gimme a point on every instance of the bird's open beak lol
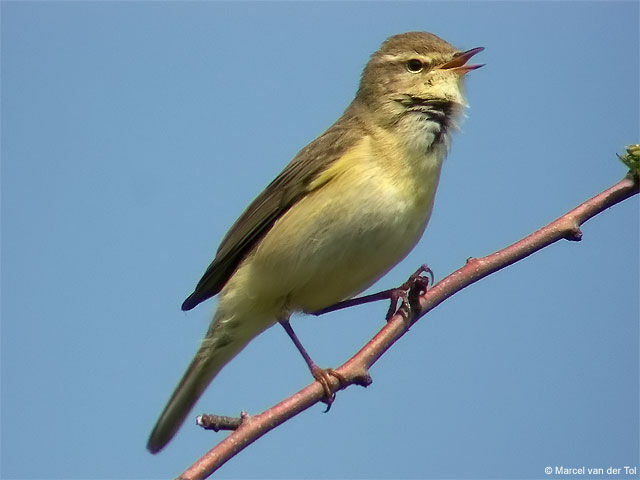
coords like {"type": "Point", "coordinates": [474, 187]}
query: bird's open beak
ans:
{"type": "Point", "coordinates": [458, 63]}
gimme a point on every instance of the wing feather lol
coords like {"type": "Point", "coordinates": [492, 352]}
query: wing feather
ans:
{"type": "Point", "coordinates": [281, 194]}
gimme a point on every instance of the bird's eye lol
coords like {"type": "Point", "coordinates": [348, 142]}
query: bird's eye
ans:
{"type": "Point", "coordinates": [414, 65]}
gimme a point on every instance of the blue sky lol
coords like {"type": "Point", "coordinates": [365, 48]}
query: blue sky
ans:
{"type": "Point", "coordinates": [133, 135]}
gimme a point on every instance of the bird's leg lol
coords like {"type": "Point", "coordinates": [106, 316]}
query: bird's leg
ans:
{"type": "Point", "coordinates": [352, 302]}
{"type": "Point", "coordinates": [322, 375]}
{"type": "Point", "coordinates": [409, 291]}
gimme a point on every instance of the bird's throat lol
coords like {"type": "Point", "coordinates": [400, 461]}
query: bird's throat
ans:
{"type": "Point", "coordinates": [427, 123]}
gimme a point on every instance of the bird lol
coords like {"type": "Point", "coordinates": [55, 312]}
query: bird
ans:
{"type": "Point", "coordinates": [348, 207]}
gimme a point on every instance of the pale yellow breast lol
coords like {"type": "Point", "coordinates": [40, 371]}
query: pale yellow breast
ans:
{"type": "Point", "coordinates": [361, 217]}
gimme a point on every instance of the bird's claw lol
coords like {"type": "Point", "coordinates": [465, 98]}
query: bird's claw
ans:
{"type": "Point", "coordinates": [409, 292]}
{"type": "Point", "coordinates": [323, 376]}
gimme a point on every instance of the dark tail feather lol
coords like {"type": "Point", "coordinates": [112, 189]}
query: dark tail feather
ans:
{"type": "Point", "coordinates": [191, 301]}
{"type": "Point", "coordinates": [224, 341]}
{"type": "Point", "coordinates": [195, 380]}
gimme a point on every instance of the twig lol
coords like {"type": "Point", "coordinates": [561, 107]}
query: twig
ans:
{"type": "Point", "coordinates": [220, 422]}
{"type": "Point", "coordinates": [355, 370]}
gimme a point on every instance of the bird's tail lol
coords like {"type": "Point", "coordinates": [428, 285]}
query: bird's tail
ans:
{"type": "Point", "coordinates": [222, 343]}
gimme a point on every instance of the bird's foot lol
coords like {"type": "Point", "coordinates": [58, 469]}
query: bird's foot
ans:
{"type": "Point", "coordinates": [323, 376]}
{"type": "Point", "coordinates": [409, 292]}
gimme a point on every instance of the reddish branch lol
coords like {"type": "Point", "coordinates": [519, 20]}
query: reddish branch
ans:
{"type": "Point", "coordinates": [355, 370]}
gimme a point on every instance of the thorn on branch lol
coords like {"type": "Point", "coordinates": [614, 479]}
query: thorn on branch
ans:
{"type": "Point", "coordinates": [574, 235]}
{"type": "Point", "coordinates": [219, 422]}
{"type": "Point", "coordinates": [363, 379]}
